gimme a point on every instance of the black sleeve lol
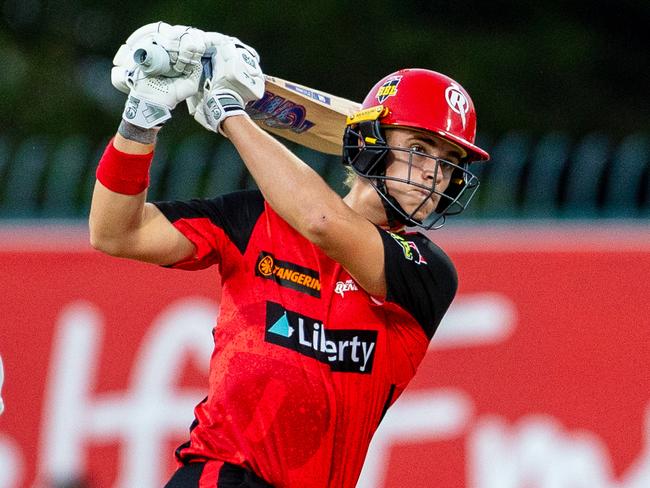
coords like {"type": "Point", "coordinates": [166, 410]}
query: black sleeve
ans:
{"type": "Point", "coordinates": [235, 213]}
{"type": "Point", "coordinates": [420, 277]}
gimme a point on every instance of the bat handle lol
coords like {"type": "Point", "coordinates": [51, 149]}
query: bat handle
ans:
{"type": "Point", "coordinates": [153, 60]}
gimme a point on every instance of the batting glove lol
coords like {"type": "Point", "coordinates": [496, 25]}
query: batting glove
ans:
{"type": "Point", "coordinates": [158, 67]}
{"type": "Point", "coordinates": [216, 106]}
{"type": "Point", "coordinates": [235, 79]}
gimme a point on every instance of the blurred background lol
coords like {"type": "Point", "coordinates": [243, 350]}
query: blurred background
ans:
{"type": "Point", "coordinates": [553, 253]}
{"type": "Point", "coordinates": [561, 90]}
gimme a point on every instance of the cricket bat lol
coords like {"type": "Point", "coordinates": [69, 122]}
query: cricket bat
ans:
{"type": "Point", "coordinates": [303, 115]}
{"type": "Point", "coordinates": [298, 113]}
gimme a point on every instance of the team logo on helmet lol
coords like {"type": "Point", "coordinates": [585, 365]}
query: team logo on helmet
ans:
{"type": "Point", "coordinates": [457, 101]}
{"type": "Point", "coordinates": [388, 89]}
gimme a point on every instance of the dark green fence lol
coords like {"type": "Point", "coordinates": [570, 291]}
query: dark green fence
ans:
{"type": "Point", "coordinates": [551, 176]}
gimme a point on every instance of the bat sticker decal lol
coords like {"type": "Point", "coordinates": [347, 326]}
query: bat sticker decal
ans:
{"type": "Point", "coordinates": [277, 112]}
{"type": "Point", "coordinates": [320, 97]}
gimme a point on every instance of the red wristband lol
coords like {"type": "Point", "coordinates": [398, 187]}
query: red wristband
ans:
{"type": "Point", "coordinates": [124, 173]}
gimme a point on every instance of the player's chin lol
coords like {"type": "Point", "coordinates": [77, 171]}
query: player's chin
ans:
{"type": "Point", "coordinates": [417, 204]}
{"type": "Point", "coordinates": [422, 210]}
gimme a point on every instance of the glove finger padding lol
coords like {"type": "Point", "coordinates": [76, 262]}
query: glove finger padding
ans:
{"type": "Point", "coordinates": [187, 85]}
{"type": "Point", "coordinates": [236, 67]}
{"type": "Point", "coordinates": [191, 47]}
{"type": "Point", "coordinates": [184, 46]}
{"type": "Point", "coordinates": [119, 75]}
{"type": "Point", "coordinates": [144, 32]}
{"type": "Point", "coordinates": [235, 80]}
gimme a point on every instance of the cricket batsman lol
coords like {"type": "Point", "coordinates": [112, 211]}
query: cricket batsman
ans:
{"type": "Point", "coordinates": [328, 304]}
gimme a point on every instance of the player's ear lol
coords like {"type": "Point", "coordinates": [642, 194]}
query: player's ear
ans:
{"type": "Point", "coordinates": [364, 147]}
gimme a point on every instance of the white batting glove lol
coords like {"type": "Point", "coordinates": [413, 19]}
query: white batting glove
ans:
{"type": "Point", "coordinates": [236, 66]}
{"type": "Point", "coordinates": [236, 80]}
{"type": "Point", "coordinates": [169, 73]}
{"type": "Point", "coordinates": [216, 105]}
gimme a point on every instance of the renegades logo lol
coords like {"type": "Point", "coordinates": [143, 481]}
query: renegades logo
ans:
{"type": "Point", "coordinates": [288, 274]}
{"type": "Point", "coordinates": [344, 350]}
{"type": "Point", "coordinates": [388, 89]}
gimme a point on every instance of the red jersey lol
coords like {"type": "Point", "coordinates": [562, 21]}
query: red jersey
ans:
{"type": "Point", "coordinates": [305, 362]}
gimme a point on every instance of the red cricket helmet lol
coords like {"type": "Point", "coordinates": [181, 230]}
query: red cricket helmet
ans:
{"type": "Point", "coordinates": [423, 100]}
{"type": "Point", "coordinates": [427, 100]}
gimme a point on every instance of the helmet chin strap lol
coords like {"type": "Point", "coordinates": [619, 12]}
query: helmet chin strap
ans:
{"type": "Point", "coordinates": [395, 218]}
{"type": "Point", "coordinates": [396, 214]}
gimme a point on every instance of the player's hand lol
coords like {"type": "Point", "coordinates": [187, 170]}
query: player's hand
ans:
{"type": "Point", "coordinates": [168, 71]}
{"type": "Point", "coordinates": [236, 79]}
{"type": "Point", "coordinates": [235, 66]}
{"type": "Point", "coordinates": [216, 105]}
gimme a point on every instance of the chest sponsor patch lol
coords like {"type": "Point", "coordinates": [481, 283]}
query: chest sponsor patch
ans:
{"type": "Point", "coordinates": [343, 350]}
{"type": "Point", "coordinates": [288, 274]}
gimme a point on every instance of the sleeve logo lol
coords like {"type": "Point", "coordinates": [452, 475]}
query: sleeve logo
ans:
{"type": "Point", "coordinates": [410, 249]}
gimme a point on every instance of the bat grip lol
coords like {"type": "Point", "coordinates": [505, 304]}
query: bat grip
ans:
{"type": "Point", "coordinates": [154, 60]}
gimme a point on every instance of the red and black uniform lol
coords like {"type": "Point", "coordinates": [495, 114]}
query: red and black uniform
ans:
{"type": "Point", "coordinates": [305, 363]}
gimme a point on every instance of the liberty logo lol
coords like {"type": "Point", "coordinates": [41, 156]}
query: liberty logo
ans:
{"type": "Point", "coordinates": [344, 350]}
{"type": "Point", "coordinates": [282, 327]}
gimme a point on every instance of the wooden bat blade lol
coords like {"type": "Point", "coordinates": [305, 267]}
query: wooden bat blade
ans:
{"type": "Point", "coordinates": [303, 115]}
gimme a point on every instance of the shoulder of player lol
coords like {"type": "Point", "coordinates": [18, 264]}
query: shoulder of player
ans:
{"type": "Point", "coordinates": [423, 240]}
{"type": "Point", "coordinates": [212, 208]}
{"type": "Point", "coordinates": [413, 257]}
{"type": "Point", "coordinates": [422, 244]}
{"type": "Point", "coordinates": [238, 199]}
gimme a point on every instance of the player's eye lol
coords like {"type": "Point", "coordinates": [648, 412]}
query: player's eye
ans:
{"type": "Point", "coordinates": [418, 148]}
{"type": "Point", "coordinates": [446, 166]}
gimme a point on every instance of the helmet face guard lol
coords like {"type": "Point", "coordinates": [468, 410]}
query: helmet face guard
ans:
{"type": "Point", "coordinates": [368, 160]}
{"type": "Point", "coordinates": [424, 101]}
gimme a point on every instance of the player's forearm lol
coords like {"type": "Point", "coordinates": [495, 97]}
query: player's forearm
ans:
{"type": "Point", "coordinates": [129, 146]}
{"type": "Point", "coordinates": [293, 189]}
{"type": "Point", "coordinates": [115, 216]}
